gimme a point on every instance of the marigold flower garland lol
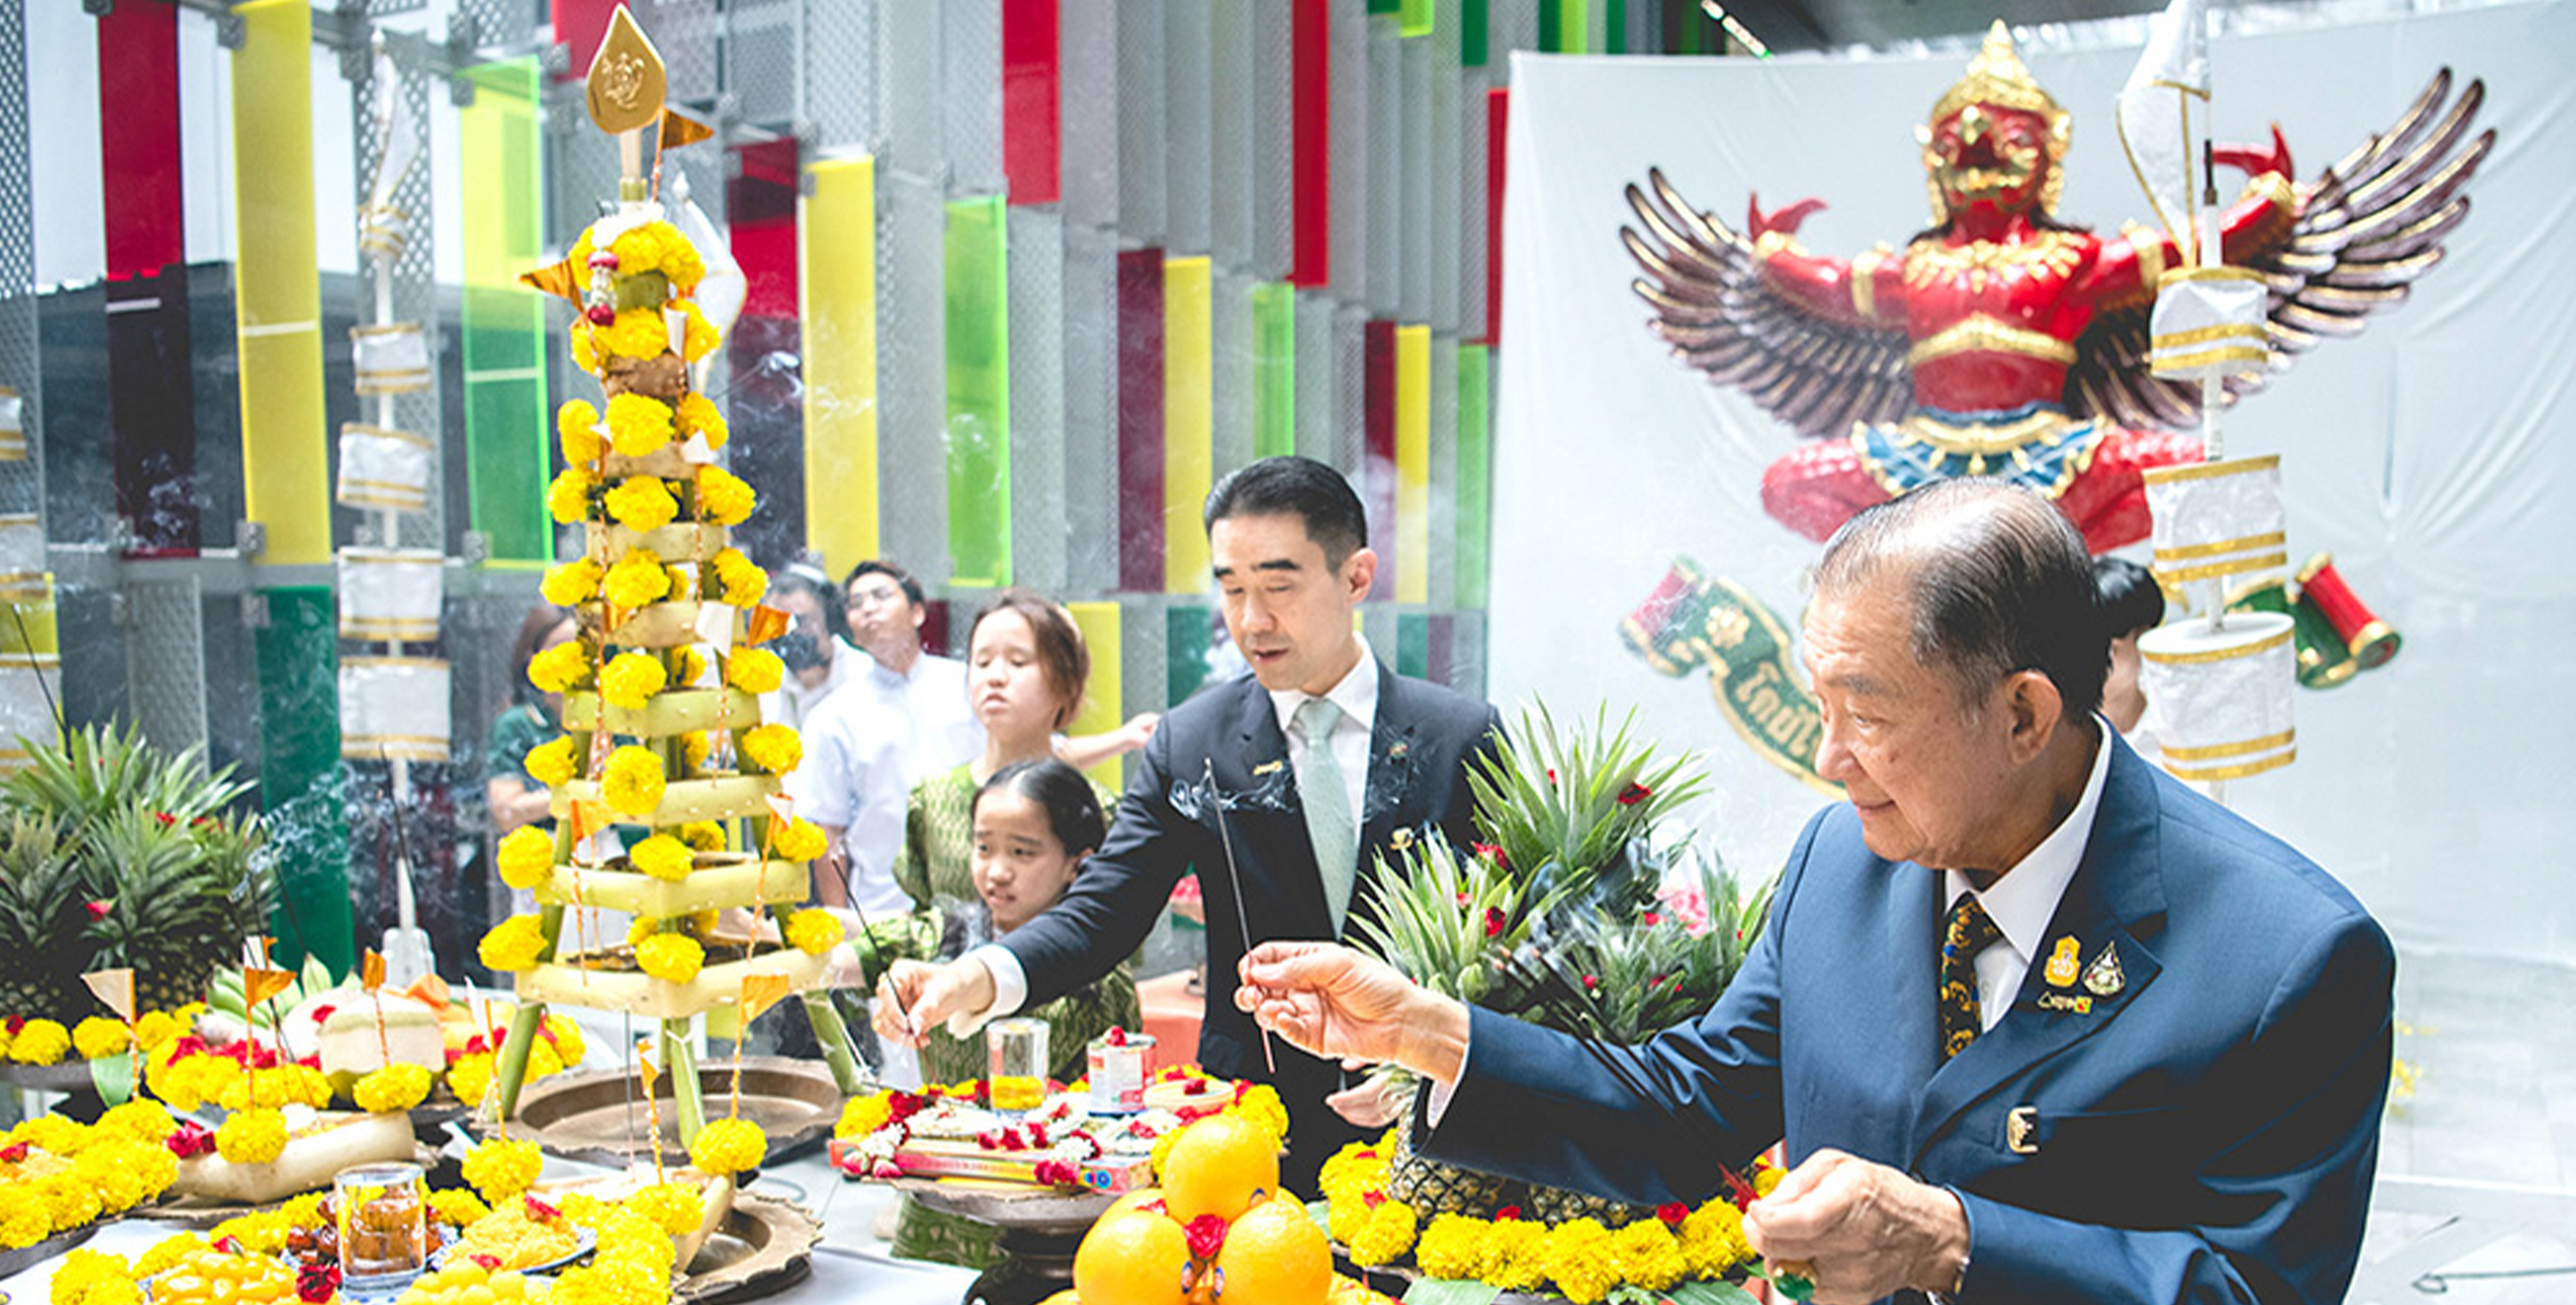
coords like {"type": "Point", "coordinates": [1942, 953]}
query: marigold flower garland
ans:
{"type": "Point", "coordinates": [392, 1088]}
{"type": "Point", "coordinates": [815, 931]}
{"type": "Point", "coordinates": [663, 857]}
{"type": "Point", "coordinates": [633, 782]}
{"type": "Point", "coordinates": [727, 1146]}
{"type": "Point", "coordinates": [754, 670]}
{"type": "Point", "coordinates": [577, 423]}
{"type": "Point", "coordinates": [672, 957]}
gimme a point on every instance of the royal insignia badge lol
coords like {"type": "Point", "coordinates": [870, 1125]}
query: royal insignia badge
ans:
{"type": "Point", "coordinates": [2103, 978]}
{"type": "Point", "coordinates": [1268, 767]}
{"type": "Point", "coordinates": [2062, 963]}
{"type": "Point", "coordinates": [2021, 1130]}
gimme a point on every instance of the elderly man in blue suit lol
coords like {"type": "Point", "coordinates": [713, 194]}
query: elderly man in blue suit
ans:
{"type": "Point", "coordinates": [2036, 1022]}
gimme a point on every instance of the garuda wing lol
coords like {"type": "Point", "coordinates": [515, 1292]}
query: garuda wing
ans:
{"type": "Point", "coordinates": [1711, 304]}
{"type": "Point", "coordinates": [2366, 229]}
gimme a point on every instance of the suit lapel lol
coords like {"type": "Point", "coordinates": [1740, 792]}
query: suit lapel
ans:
{"type": "Point", "coordinates": [2115, 891]}
{"type": "Point", "coordinates": [1389, 799]}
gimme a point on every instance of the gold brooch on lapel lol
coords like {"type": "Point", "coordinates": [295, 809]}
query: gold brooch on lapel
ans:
{"type": "Point", "coordinates": [2062, 963]}
{"type": "Point", "coordinates": [1267, 767]}
{"type": "Point", "coordinates": [1401, 839]}
{"type": "Point", "coordinates": [2073, 1003]}
{"type": "Point", "coordinates": [1397, 752]}
{"type": "Point", "coordinates": [2021, 1130]}
{"type": "Point", "coordinates": [2103, 978]}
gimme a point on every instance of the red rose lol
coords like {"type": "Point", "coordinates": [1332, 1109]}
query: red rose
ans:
{"type": "Point", "coordinates": [1207, 1236]}
{"type": "Point", "coordinates": [1116, 1037]}
{"type": "Point", "coordinates": [1672, 1213]}
{"type": "Point", "coordinates": [98, 910]}
{"type": "Point", "coordinates": [540, 1211]}
{"type": "Point", "coordinates": [317, 1283]}
{"type": "Point", "coordinates": [1650, 919]}
{"type": "Point", "coordinates": [1462, 897]}
{"type": "Point", "coordinates": [165, 818]}
{"type": "Point", "coordinates": [1634, 794]}
{"type": "Point", "coordinates": [1056, 1173]}
{"type": "Point", "coordinates": [190, 1139]}
{"type": "Point", "coordinates": [489, 1262]}
{"type": "Point", "coordinates": [1198, 1088]}
{"type": "Point", "coordinates": [229, 1246]}
{"type": "Point", "coordinates": [16, 1023]}
{"type": "Point", "coordinates": [1373, 1199]}
{"type": "Point", "coordinates": [1591, 981]}
{"type": "Point", "coordinates": [1507, 1212]}
{"type": "Point", "coordinates": [1494, 921]}
{"type": "Point", "coordinates": [322, 1014]}
{"type": "Point", "coordinates": [13, 1153]}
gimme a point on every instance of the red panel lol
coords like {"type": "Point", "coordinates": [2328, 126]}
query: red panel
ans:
{"type": "Point", "coordinates": [1311, 122]}
{"type": "Point", "coordinates": [760, 202]}
{"type": "Point", "coordinates": [1032, 101]}
{"type": "Point", "coordinates": [138, 128]}
{"type": "Point", "coordinates": [1140, 420]}
{"type": "Point", "coordinates": [583, 24]}
{"type": "Point", "coordinates": [1498, 104]}
{"type": "Point", "coordinates": [1377, 488]}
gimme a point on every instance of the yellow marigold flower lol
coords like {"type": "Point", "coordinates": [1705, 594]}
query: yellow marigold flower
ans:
{"type": "Point", "coordinates": [639, 333]}
{"type": "Point", "coordinates": [1646, 1255]}
{"type": "Point", "coordinates": [156, 1028]}
{"type": "Point", "coordinates": [671, 957]}
{"type": "Point", "coordinates": [694, 747]}
{"type": "Point", "coordinates": [564, 666]}
{"type": "Point", "coordinates": [68, 1201]}
{"type": "Point", "coordinates": [138, 1120]}
{"type": "Point", "coordinates": [865, 1115]}
{"type": "Point", "coordinates": [251, 1137]}
{"type": "Point", "coordinates": [513, 945]}
{"type": "Point", "coordinates": [1387, 1235]}
{"type": "Point", "coordinates": [815, 931]}
{"type": "Point", "coordinates": [59, 1134]}
{"type": "Point", "coordinates": [470, 1077]}
{"type": "Point", "coordinates": [585, 353]}
{"type": "Point", "coordinates": [637, 579]}
{"type": "Point", "coordinates": [631, 679]}
{"type": "Point", "coordinates": [633, 781]}
{"type": "Point", "coordinates": [697, 415]}
{"type": "Point", "coordinates": [801, 841]}
{"type": "Point", "coordinates": [577, 422]}
{"type": "Point", "coordinates": [39, 1042]}
{"type": "Point", "coordinates": [684, 581]}
{"type": "Point", "coordinates": [167, 1252]}
{"type": "Point", "coordinates": [94, 1278]}
{"type": "Point", "coordinates": [744, 584]}
{"type": "Point", "coordinates": [642, 503]}
{"type": "Point", "coordinates": [501, 1169]}
{"type": "Point", "coordinates": [703, 836]}
{"type": "Point", "coordinates": [24, 1221]}
{"type": "Point", "coordinates": [641, 928]}
{"type": "Point", "coordinates": [1260, 1104]}
{"type": "Point", "coordinates": [395, 1087]}
{"type": "Point", "coordinates": [1449, 1247]}
{"type": "Point", "coordinates": [754, 670]}
{"type": "Point", "coordinates": [728, 1146]}
{"type": "Point", "coordinates": [308, 1086]}
{"type": "Point", "coordinates": [774, 748]}
{"type": "Point", "coordinates": [456, 1207]}
{"type": "Point", "coordinates": [566, 1036]}
{"type": "Point", "coordinates": [1712, 1239]}
{"type": "Point", "coordinates": [698, 337]}
{"type": "Point", "coordinates": [662, 857]}
{"type": "Point", "coordinates": [1515, 1255]}
{"type": "Point", "coordinates": [724, 497]}
{"type": "Point", "coordinates": [1581, 1260]}
{"type": "Point", "coordinates": [1767, 1176]}
{"type": "Point", "coordinates": [638, 424]}
{"type": "Point", "coordinates": [125, 1172]}
{"type": "Point", "coordinates": [571, 583]}
{"type": "Point", "coordinates": [688, 665]}
{"type": "Point", "coordinates": [553, 764]}
{"type": "Point", "coordinates": [673, 1207]}
{"type": "Point", "coordinates": [98, 1036]}
{"type": "Point", "coordinates": [568, 498]}
{"type": "Point", "coordinates": [655, 246]}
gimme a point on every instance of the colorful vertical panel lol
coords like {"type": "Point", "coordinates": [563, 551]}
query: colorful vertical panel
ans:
{"type": "Point", "coordinates": [151, 395]}
{"type": "Point", "coordinates": [1615, 26]}
{"type": "Point", "coordinates": [1413, 645]}
{"type": "Point", "coordinates": [1032, 100]}
{"type": "Point", "coordinates": [1475, 472]}
{"type": "Point", "coordinates": [509, 459]}
{"type": "Point", "coordinates": [1274, 370]}
{"type": "Point", "coordinates": [840, 373]}
{"type": "Point", "coordinates": [1413, 464]}
{"type": "Point", "coordinates": [581, 25]}
{"type": "Point", "coordinates": [1377, 425]}
{"type": "Point", "coordinates": [979, 392]}
{"type": "Point", "coordinates": [299, 749]}
{"type": "Point", "coordinates": [1103, 701]}
{"type": "Point", "coordinates": [277, 291]}
{"type": "Point", "coordinates": [1417, 17]}
{"type": "Point", "coordinates": [765, 404]}
{"type": "Point", "coordinates": [1312, 143]}
{"type": "Point", "coordinates": [1140, 419]}
{"type": "Point", "coordinates": [1474, 18]}
{"type": "Point", "coordinates": [1498, 113]}
{"type": "Point", "coordinates": [1189, 644]}
{"type": "Point", "coordinates": [138, 139]}
{"type": "Point", "coordinates": [1189, 419]}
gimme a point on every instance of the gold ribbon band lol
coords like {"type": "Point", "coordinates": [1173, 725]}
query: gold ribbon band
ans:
{"type": "Point", "coordinates": [2255, 648]}
{"type": "Point", "coordinates": [2271, 539]}
{"type": "Point", "coordinates": [2208, 470]}
{"type": "Point", "coordinates": [2216, 751]}
{"type": "Point", "coordinates": [2236, 566]}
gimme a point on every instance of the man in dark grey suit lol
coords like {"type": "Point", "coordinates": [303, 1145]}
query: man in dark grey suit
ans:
{"type": "Point", "coordinates": [1323, 760]}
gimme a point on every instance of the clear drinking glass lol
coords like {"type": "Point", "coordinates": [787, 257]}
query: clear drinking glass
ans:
{"type": "Point", "coordinates": [384, 1226]}
{"type": "Point", "coordinates": [1018, 1049]}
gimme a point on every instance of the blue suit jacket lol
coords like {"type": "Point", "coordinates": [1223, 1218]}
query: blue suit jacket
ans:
{"type": "Point", "coordinates": [2205, 1133]}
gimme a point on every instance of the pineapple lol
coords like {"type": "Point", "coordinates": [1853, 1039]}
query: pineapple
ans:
{"type": "Point", "coordinates": [97, 771]}
{"type": "Point", "coordinates": [181, 898]}
{"type": "Point", "coordinates": [42, 952]}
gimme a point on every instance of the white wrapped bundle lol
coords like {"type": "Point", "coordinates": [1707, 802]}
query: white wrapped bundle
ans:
{"type": "Point", "coordinates": [384, 468]}
{"type": "Point", "coordinates": [13, 426]}
{"type": "Point", "coordinates": [2217, 519]}
{"type": "Point", "coordinates": [2208, 321]}
{"type": "Point", "coordinates": [393, 708]}
{"type": "Point", "coordinates": [2223, 695]}
{"type": "Point", "coordinates": [392, 359]}
{"type": "Point", "coordinates": [22, 544]}
{"type": "Point", "coordinates": [391, 594]}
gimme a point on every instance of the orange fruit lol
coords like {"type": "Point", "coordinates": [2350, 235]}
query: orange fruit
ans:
{"type": "Point", "coordinates": [1141, 1196]}
{"type": "Point", "coordinates": [1275, 1255]}
{"type": "Point", "coordinates": [1131, 1258]}
{"type": "Point", "coordinates": [1219, 1165]}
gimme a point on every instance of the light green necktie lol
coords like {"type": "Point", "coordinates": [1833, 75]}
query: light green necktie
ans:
{"type": "Point", "coordinates": [1328, 807]}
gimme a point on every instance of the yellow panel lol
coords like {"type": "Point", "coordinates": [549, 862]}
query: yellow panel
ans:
{"type": "Point", "coordinates": [836, 227]}
{"type": "Point", "coordinates": [1189, 423]}
{"type": "Point", "coordinates": [277, 291]}
{"type": "Point", "coordinates": [1101, 709]}
{"type": "Point", "coordinates": [1413, 464]}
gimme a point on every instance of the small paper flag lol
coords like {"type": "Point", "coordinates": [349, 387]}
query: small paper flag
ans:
{"type": "Point", "coordinates": [766, 623]}
{"type": "Point", "coordinates": [762, 991]}
{"type": "Point", "coordinates": [680, 129]}
{"type": "Point", "coordinates": [258, 985]}
{"type": "Point", "coordinates": [115, 988]}
{"type": "Point", "coordinates": [781, 806]}
{"type": "Point", "coordinates": [645, 1067]}
{"type": "Point", "coordinates": [371, 971]}
{"type": "Point", "coordinates": [431, 989]}
{"type": "Point", "coordinates": [585, 819]}
{"type": "Point", "coordinates": [561, 279]}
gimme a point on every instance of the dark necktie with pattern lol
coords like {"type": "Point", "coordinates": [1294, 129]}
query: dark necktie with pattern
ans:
{"type": "Point", "coordinates": [1967, 932]}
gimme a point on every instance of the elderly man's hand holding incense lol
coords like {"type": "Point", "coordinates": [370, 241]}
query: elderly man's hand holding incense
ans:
{"type": "Point", "coordinates": [1330, 1001]}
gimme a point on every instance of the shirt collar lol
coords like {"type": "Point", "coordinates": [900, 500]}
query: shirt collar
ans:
{"type": "Point", "coordinates": [893, 679]}
{"type": "Point", "coordinates": [1355, 693]}
{"type": "Point", "coordinates": [2023, 900]}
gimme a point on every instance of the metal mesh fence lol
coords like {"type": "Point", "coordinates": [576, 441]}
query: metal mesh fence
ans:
{"type": "Point", "coordinates": [762, 69]}
{"type": "Point", "coordinates": [22, 483]}
{"type": "Point", "coordinates": [1272, 157]}
{"type": "Point", "coordinates": [1087, 36]}
{"type": "Point", "coordinates": [1090, 409]}
{"type": "Point", "coordinates": [1037, 303]}
{"type": "Point", "coordinates": [1145, 653]}
{"type": "Point", "coordinates": [165, 661]}
{"type": "Point", "coordinates": [912, 372]}
{"type": "Point", "coordinates": [970, 94]}
{"type": "Point", "coordinates": [841, 73]}
{"type": "Point", "coordinates": [510, 24]}
{"type": "Point", "coordinates": [1414, 252]}
{"type": "Point", "coordinates": [686, 32]}
{"type": "Point", "coordinates": [908, 87]}
{"type": "Point", "coordinates": [1384, 142]}
{"type": "Point", "coordinates": [1350, 393]}
{"type": "Point", "coordinates": [1349, 112]}
{"type": "Point", "coordinates": [1441, 215]}
{"type": "Point", "coordinates": [413, 282]}
{"type": "Point", "coordinates": [1143, 160]}
{"type": "Point", "coordinates": [1231, 93]}
{"type": "Point", "coordinates": [1230, 368]}
{"type": "Point", "coordinates": [1444, 472]}
{"type": "Point", "coordinates": [1472, 290]}
{"type": "Point", "coordinates": [1319, 355]}
{"type": "Point", "coordinates": [1187, 129]}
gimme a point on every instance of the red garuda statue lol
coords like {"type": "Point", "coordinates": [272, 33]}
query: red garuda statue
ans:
{"type": "Point", "coordinates": [2004, 342]}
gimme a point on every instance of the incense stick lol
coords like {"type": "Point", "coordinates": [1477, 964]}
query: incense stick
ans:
{"type": "Point", "coordinates": [1234, 881]}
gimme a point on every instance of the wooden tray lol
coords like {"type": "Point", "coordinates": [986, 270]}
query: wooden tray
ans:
{"type": "Point", "coordinates": [13, 1263]}
{"type": "Point", "coordinates": [584, 1116]}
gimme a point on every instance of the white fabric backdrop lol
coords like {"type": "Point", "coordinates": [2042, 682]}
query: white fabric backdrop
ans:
{"type": "Point", "coordinates": [2435, 455]}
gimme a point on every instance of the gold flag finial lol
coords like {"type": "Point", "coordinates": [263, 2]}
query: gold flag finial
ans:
{"type": "Point", "coordinates": [626, 81]}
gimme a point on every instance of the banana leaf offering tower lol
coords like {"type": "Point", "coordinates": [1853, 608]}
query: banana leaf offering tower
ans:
{"type": "Point", "coordinates": [666, 782]}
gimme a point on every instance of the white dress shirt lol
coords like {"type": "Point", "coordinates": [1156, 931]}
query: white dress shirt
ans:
{"type": "Point", "coordinates": [865, 747]}
{"type": "Point", "coordinates": [2025, 898]}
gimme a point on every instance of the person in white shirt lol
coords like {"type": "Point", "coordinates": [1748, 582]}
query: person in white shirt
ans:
{"type": "Point", "coordinates": [818, 661]}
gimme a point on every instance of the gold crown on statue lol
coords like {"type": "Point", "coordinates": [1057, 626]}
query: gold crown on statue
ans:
{"type": "Point", "coordinates": [1996, 77]}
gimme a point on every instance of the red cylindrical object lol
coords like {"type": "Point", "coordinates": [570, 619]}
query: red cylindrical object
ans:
{"type": "Point", "coordinates": [2371, 639]}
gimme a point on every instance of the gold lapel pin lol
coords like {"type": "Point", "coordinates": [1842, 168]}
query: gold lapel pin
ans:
{"type": "Point", "coordinates": [2103, 978]}
{"type": "Point", "coordinates": [2021, 1130]}
{"type": "Point", "coordinates": [1401, 839]}
{"type": "Point", "coordinates": [1267, 767]}
{"type": "Point", "coordinates": [2062, 963]}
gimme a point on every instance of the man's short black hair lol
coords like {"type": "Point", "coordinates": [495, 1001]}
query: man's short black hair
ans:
{"type": "Point", "coordinates": [880, 566]}
{"type": "Point", "coordinates": [1300, 487]}
{"type": "Point", "coordinates": [1999, 579]}
{"type": "Point", "coordinates": [2127, 596]}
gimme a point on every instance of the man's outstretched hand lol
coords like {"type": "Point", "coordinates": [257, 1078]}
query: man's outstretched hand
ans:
{"type": "Point", "coordinates": [1330, 1001]}
{"type": "Point", "coordinates": [1860, 1230]}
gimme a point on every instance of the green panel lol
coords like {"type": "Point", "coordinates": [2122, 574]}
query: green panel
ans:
{"type": "Point", "coordinates": [1471, 33]}
{"type": "Point", "coordinates": [1384, 6]}
{"type": "Point", "coordinates": [979, 393]}
{"type": "Point", "coordinates": [1475, 473]}
{"type": "Point", "coordinates": [1573, 22]}
{"type": "Point", "coordinates": [1413, 645]}
{"type": "Point", "coordinates": [509, 454]}
{"type": "Point", "coordinates": [1418, 18]}
{"type": "Point", "coordinates": [1274, 369]}
{"type": "Point", "coordinates": [1551, 25]}
{"type": "Point", "coordinates": [1615, 14]}
{"type": "Point", "coordinates": [299, 774]}
{"type": "Point", "coordinates": [1188, 634]}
